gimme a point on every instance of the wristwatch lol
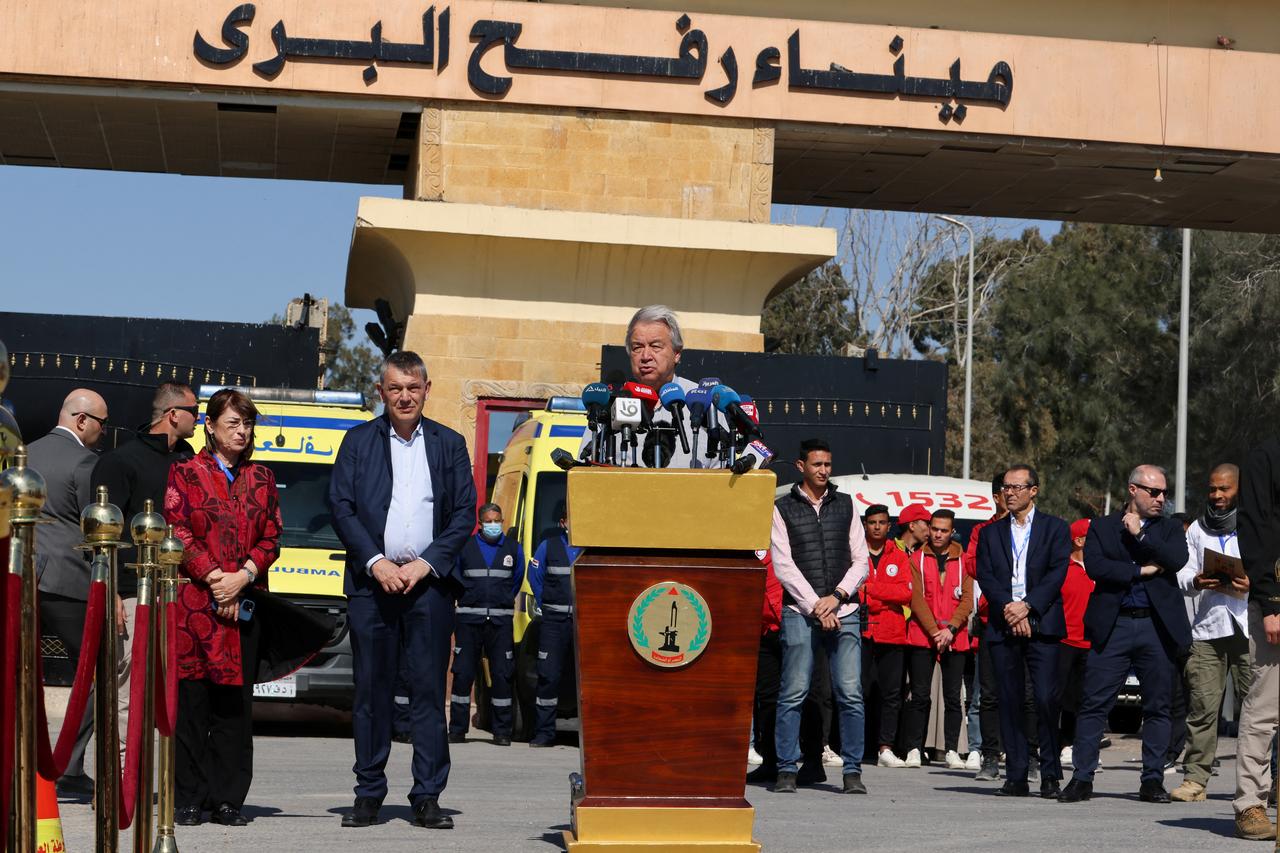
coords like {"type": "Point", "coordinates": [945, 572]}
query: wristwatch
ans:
{"type": "Point", "coordinates": [253, 576]}
{"type": "Point", "coordinates": [841, 595]}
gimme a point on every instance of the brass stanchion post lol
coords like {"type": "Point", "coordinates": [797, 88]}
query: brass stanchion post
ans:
{"type": "Point", "coordinates": [28, 489]}
{"type": "Point", "coordinates": [103, 524]}
{"type": "Point", "coordinates": [169, 556]}
{"type": "Point", "coordinates": [148, 530]}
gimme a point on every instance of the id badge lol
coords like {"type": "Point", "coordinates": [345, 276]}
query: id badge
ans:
{"type": "Point", "coordinates": [1019, 591]}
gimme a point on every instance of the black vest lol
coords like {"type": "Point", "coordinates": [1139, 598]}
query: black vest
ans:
{"type": "Point", "coordinates": [819, 540]}
{"type": "Point", "coordinates": [487, 589]}
{"type": "Point", "coordinates": [557, 585]}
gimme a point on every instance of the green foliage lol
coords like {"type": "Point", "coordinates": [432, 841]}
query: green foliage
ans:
{"type": "Point", "coordinates": [350, 365]}
{"type": "Point", "coordinates": [812, 317]}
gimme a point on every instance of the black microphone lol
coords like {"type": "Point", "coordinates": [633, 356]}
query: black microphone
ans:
{"type": "Point", "coordinates": [659, 447]}
{"type": "Point", "coordinates": [673, 398]}
{"type": "Point", "coordinates": [743, 465]}
{"type": "Point", "coordinates": [564, 460]}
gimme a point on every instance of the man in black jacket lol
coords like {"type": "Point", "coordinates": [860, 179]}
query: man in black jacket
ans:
{"type": "Point", "coordinates": [1137, 620]}
{"type": "Point", "coordinates": [133, 472]}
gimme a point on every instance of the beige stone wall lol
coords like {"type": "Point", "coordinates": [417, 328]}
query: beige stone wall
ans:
{"type": "Point", "coordinates": [473, 357]}
{"type": "Point", "coordinates": [594, 161]}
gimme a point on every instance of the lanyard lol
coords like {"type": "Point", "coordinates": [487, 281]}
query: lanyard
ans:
{"type": "Point", "coordinates": [1019, 554]}
{"type": "Point", "coordinates": [1223, 540]}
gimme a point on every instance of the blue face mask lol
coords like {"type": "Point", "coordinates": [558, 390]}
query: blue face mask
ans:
{"type": "Point", "coordinates": [491, 530]}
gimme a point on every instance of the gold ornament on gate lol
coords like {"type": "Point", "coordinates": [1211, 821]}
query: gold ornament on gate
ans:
{"type": "Point", "coordinates": [669, 625]}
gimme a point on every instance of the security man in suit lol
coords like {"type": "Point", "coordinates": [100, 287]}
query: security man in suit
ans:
{"type": "Point", "coordinates": [550, 578]}
{"type": "Point", "coordinates": [402, 498]}
{"type": "Point", "coordinates": [1136, 619]}
{"type": "Point", "coordinates": [492, 569]}
{"type": "Point", "coordinates": [65, 458]}
{"type": "Point", "coordinates": [1022, 563]}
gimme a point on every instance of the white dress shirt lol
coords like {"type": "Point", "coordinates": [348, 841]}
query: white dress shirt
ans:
{"type": "Point", "coordinates": [1020, 534]}
{"type": "Point", "coordinates": [410, 517]}
{"type": "Point", "coordinates": [1216, 613]}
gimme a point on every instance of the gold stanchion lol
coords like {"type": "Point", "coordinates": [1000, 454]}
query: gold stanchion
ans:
{"type": "Point", "coordinates": [148, 530]}
{"type": "Point", "coordinates": [169, 556]}
{"type": "Point", "coordinates": [28, 490]}
{"type": "Point", "coordinates": [103, 524]}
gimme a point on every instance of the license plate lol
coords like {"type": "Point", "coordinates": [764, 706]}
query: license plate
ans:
{"type": "Point", "coordinates": [282, 688]}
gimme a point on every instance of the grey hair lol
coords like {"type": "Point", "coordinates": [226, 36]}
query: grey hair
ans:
{"type": "Point", "coordinates": [657, 314]}
{"type": "Point", "coordinates": [406, 361]}
{"type": "Point", "coordinates": [1135, 476]}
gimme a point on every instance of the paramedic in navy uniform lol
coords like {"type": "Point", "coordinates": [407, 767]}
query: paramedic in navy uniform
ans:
{"type": "Point", "coordinates": [403, 503]}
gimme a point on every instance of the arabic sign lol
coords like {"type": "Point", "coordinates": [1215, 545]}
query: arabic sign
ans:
{"type": "Point", "coordinates": [951, 92]}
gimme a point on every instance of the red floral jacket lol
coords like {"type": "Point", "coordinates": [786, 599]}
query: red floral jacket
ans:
{"type": "Point", "coordinates": [222, 525]}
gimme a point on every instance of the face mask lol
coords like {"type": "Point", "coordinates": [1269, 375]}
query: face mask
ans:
{"type": "Point", "coordinates": [491, 530]}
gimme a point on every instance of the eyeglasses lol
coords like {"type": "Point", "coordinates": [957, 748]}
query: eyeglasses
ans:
{"type": "Point", "coordinates": [1151, 490]}
{"type": "Point", "coordinates": [1016, 487]}
{"type": "Point", "coordinates": [102, 422]}
{"type": "Point", "coordinates": [194, 411]}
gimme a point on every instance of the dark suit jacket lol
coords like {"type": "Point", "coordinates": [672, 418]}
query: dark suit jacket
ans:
{"type": "Point", "coordinates": [1112, 557]}
{"type": "Point", "coordinates": [1259, 524]}
{"type": "Point", "coordinates": [67, 467]}
{"type": "Point", "coordinates": [360, 495]}
{"type": "Point", "coordinates": [1048, 556]}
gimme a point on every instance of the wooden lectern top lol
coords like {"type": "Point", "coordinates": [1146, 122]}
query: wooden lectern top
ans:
{"type": "Point", "coordinates": [604, 502]}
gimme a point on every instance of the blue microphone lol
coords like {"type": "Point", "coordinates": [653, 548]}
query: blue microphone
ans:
{"type": "Point", "coordinates": [709, 382]}
{"type": "Point", "coordinates": [727, 401]}
{"type": "Point", "coordinates": [672, 398]}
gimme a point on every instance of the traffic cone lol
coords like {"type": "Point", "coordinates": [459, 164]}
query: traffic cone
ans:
{"type": "Point", "coordinates": [48, 821]}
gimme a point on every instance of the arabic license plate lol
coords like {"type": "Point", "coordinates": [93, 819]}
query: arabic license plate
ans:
{"type": "Point", "coordinates": [281, 688]}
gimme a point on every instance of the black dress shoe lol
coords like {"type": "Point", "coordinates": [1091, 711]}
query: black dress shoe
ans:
{"type": "Point", "coordinates": [540, 744]}
{"type": "Point", "coordinates": [502, 740]}
{"type": "Point", "coordinates": [228, 815]}
{"type": "Point", "coordinates": [78, 785]}
{"type": "Point", "coordinates": [427, 813]}
{"type": "Point", "coordinates": [1050, 789]}
{"type": "Point", "coordinates": [188, 816]}
{"type": "Point", "coordinates": [763, 773]}
{"type": "Point", "coordinates": [1153, 792]}
{"type": "Point", "coordinates": [785, 783]}
{"type": "Point", "coordinates": [363, 813]}
{"type": "Point", "coordinates": [1013, 789]}
{"type": "Point", "coordinates": [457, 737]}
{"type": "Point", "coordinates": [402, 737]}
{"type": "Point", "coordinates": [853, 784]}
{"type": "Point", "coordinates": [1076, 791]}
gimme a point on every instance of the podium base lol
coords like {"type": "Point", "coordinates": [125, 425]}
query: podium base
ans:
{"type": "Point", "coordinates": [610, 829]}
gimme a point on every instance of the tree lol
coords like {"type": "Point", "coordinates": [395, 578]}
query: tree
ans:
{"type": "Point", "coordinates": [811, 317]}
{"type": "Point", "coordinates": [350, 364]}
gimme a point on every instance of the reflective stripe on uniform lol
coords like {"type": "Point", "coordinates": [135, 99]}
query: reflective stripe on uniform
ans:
{"type": "Point", "coordinates": [402, 700]}
{"type": "Point", "coordinates": [484, 611]}
{"type": "Point", "coordinates": [542, 655]}
{"type": "Point", "coordinates": [558, 570]}
{"type": "Point", "coordinates": [460, 700]}
{"type": "Point", "coordinates": [548, 703]}
{"type": "Point", "coordinates": [501, 703]}
{"type": "Point", "coordinates": [559, 608]}
{"type": "Point", "coordinates": [509, 655]}
{"type": "Point", "coordinates": [487, 573]}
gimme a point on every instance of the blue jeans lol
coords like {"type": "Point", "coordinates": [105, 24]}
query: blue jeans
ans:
{"type": "Point", "coordinates": [973, 724]}
{"type": "Point", "coordinates": [800, 637]}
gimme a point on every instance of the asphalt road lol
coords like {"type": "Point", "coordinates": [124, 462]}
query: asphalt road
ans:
{"type": "Point", "coordinates": [516, 799]}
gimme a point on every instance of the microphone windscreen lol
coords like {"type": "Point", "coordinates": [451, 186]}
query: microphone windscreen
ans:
{"type": "Point", "coordinates": [709, 382]}
{"type": "Point", "coordinates": [723, 397]}
{"type": "Point", "coordinates": [597, 393]}
{"type": "Point", "coordinates": [653, 439]}
{"type": "Point", "coordinates": [671, 393]}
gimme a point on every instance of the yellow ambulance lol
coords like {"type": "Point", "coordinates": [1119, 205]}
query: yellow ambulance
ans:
{"type": "Point", "coordinates": [297, 436]}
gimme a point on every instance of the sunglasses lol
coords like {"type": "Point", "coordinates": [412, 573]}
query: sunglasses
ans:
{"type": "Point", "coordinates": [102, 422]}
{"type": "Point", "coordinates": [1151, 490]}
{"type": "Point", "coordinates": [194, 411]}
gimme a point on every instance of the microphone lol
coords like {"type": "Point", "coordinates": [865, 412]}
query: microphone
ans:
{"type": "Point", "coordinates": [727, 401]}
{"type": "Point", "coordinates": [596, 398]}
{"type": "Point", "coordinates": [564, 460]}
{"type": "Point", "coordinates": [642, 392]}
{"type": "Point", "coordinates": [627, 416]}
{"type": "Point", "coordinates": [673, 399]}
{"type": "Point", "coordinates": [743, 465]}
{"type": "Point", "coordinates": [708, 383]}
{"type": "Point", "coordinates": [749, 406]}
{"type": "Point", "coordinates": [697, 401]}
{"type": "Point", "coordinates": [659, 447]}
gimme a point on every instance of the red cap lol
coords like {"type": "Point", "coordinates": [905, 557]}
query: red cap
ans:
{"type": "Point", "coordinates": [1079, 528]}
{"type": "Point", "coordinates": [915, 512]}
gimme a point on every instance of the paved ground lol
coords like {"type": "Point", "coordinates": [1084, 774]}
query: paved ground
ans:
{"type": "Point", "coordinates": [516, 799]}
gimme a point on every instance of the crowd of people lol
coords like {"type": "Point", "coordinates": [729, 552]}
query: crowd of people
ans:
{"type": "Point", "coordinates": [1033, 626]}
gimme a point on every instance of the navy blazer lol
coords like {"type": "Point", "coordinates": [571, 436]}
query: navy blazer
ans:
{"type": "Point", "coordinates": [1112, 557]}
{"type": "Point", "coordinates": [360, 495]}
{"type": "Point", "coordinates": [1048, 556]}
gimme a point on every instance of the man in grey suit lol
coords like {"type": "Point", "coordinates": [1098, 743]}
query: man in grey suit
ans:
{"type": "Point", "coordinates": [65, 459]}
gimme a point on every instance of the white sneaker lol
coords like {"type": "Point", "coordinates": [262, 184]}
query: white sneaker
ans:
{"type": "Point", "coordinates": [954, 761]}
{"type": "Point", "coordinates": [974, 761]}
{"type": "Point", "coordinates": [830, 759]}
{"type": "Point", "coordinates": [1065, 757]}
{"type": "Point", "coordinates": [754, 757]}
{"type": "Point", "coordinates": [913, 759]}
{"type": "Point", "coordinates": [888, 759]}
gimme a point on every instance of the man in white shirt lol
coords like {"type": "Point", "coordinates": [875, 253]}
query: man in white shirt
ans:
{"type": "Point", "coordinates": [1219, 630]}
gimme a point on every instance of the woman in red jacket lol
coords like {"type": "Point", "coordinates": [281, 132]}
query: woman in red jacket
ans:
{"type": "Point", "coordinates": [226, 511]}
{"type": "Point", "coordinates": [886, 592]}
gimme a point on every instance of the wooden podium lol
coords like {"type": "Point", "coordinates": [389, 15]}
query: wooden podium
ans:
{"type": "Point", "coordinates": [668, 596]}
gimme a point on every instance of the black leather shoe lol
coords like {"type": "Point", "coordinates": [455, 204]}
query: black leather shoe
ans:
{"type": "Point", "coordinates": [763, 773]}
{"type": "Point", "coordinates": [853, 784]}
{"type": "Point", "coordinates": [1076, 791]}
{"type": "Point", "coordinates": [402, 737]}
{"type": "Point", "coordinates": [785, 783]}
{"type": "Point", "coordinates": [457, 737]}
{"type": "Point", "coordinates": [427, 813]}
{"type": "Point", "coordinates": [363, 813]}
{"type": "Point", "coordinates": [1153, 792]}
{"type": "Point", "coordinates": [540, 744]}
{"type": "Point", "coordinates": [78, 785]}
{"type": "Point", "coordinates": [502, 740]}
{"type": "Point", "coordinates": [1049, 789]}
{"type": "Point", "coordinates": [188, 816]}
{"type": "Point", "coordinates": [1013, 789]}
{"type": "Point", "coordinates": [228, 815]}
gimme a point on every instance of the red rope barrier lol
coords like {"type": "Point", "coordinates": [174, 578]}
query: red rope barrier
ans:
{"type": "Point", "coordinates": [167, 690]}
{"type": "Point", "coordinates": [11, 601]}
{"type": "Point", "coordinates": [53, 762]}
{"type": "Point", "coordinates": [138, 683]}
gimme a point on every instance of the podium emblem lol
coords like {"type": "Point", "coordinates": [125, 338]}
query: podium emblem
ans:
{"type": "Point", "coordinates": [669, 624]}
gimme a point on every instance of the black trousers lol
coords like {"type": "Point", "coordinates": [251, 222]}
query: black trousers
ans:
{"type": "Point", "coordinates": [988, 703]}
{"type": "Point", "coordinates": [889, 659]}
{"type": "Point", "coordinates": [1071, 661]}
{"type": "Point", "coordinates": [214, 736]}
{"type": "Point", "coordinates": [473, 637]}
{"type": "Point", "coordinates": [920, 667]}
{"type": "Point", "coordinates": [65, 618]}
{"type": "Point", "coordinates": [555, 653]}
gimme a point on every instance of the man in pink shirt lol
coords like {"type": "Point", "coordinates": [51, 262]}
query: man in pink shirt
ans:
{"type": "Point", "coordinates": [820, 557]}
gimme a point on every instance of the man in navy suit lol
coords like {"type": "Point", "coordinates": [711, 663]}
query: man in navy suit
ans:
{"type": "Point", "coordinates": [1137, 620]}
{"type": "Point", "coordinates": [1022, 563]}
{"type": "Point", "coordinates": [403, 503]}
